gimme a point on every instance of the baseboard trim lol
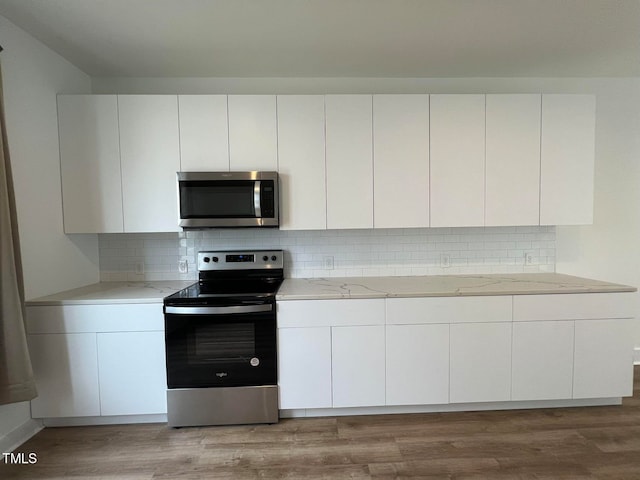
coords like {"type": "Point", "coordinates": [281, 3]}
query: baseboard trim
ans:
{"type": "Point", "coordinates": [454, 407]}
{"type": "Point", "coordinates": [15, 438]}
{"type": "Point", "coordinates": [110, 420]}
{"type": "Point", "coordinates": [636, 356]}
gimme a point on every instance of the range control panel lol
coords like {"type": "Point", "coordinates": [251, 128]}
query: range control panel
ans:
{"type": "Point", "coordinates": [240, 260]}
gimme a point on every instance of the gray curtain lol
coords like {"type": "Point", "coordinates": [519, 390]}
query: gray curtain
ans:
{"type": "Point", "coordinates": [16, 375]}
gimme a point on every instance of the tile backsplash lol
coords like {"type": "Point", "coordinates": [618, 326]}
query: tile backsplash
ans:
{"type": "Point", "coordinates": [355, 253]}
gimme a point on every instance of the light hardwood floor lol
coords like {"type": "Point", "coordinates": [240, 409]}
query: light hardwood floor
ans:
{"type": "Point", "coordinates": [571, 443]}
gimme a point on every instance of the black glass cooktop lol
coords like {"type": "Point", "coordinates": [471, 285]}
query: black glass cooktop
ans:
{"type": "Point", "coordinates": [228, 288]}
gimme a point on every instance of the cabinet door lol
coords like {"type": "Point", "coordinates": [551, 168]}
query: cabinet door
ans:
{"type": "Point", "coordinates": [301, 162]}
{"type": "Point", "coordinates": [401, 161]}
{"type": "Point", "coordinates": [204, 133]}
{"type": "Point", "coordinates": [603, 362]}
{"type": "Point", "coordinates": [65, 367]}
{"type": "Point", "coordinates": [150, 159]}
{"type": "Point", "coordinates": [132, 373]}
{"type": "Point", "coordinates": [480, 362]}
{"type": "Point", "coordinates": [349, 161]}
{"type": "Point", "coordinates": [513, 160]}
{"type": "Point", "coordinates": [457, 160]}
{"type": "Point", "coordinates": [417, 364]}
{"type": "Point", "coordinates": [304, 367]}
{"type": "Point", "coordinates": [253, 139]}
{"type": "Point", "coordinates": [567, 159]}
{"type": "Point", "coordinates": [90, 163]}
{"type": "Point", "coordinates": [542, 360]}
{"type": "Point", "coordinates": [358, 366]}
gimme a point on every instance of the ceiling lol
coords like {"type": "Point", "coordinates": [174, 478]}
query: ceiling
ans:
{"type": "Point", "coordinates": [338, 38]}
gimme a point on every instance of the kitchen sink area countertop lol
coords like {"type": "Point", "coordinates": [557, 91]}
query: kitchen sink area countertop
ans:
{"type": "Point", "coordinates": [114, 292]}
{"type": "Point", "coordinates": [442, 286]}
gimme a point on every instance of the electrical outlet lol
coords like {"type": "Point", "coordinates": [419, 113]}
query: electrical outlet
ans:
{"type": "Point", "coordinates": [528, 258]}
{"type": "Point", "coordinates": [445, 260]}
{"type": "Point", "coordinates": [183, 266]}
{"type": "Point", "coordinates": [139, 268]}
{"type": "Point", "coordinates": [328, 262]}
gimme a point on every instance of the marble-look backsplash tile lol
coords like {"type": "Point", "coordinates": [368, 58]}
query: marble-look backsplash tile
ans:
{"type": "Point", "coordinates": [356, 253]}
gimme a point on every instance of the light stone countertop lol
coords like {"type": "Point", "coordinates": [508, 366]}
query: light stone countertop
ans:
{"type": "Point", "coordinates": [442, 286]}
{"type": "Point", "coordinates": [351, 287]}
{"type": "Point", "coordinates": [114, 292]}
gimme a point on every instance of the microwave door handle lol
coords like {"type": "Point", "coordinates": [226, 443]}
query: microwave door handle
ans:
{"type": "Point", "coordinates": [256, 199]}
{"type": "Point", "coordinates": [218, 310]}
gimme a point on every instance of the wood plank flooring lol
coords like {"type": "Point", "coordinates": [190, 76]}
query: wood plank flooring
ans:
{"type": "Point", "coordinates": [570, 443]}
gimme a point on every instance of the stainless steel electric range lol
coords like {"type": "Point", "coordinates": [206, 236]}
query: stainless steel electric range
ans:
{"type": "Point", "coordinates": [220, 337]}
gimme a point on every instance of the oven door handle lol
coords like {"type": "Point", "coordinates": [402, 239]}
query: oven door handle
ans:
{"type": "Point", "coordinates": [218, 310]}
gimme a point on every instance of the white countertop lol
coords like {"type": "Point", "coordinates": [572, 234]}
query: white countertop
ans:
{"type": "Point", "coordinates": [442, 286]}
{"type": "Point", "coordinates": [114, 292]}
{"type": "Point", "coordinates": [350, 287]}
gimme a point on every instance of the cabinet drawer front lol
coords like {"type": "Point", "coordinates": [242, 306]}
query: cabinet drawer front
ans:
{"type": "Point", "coordinates": [95, 318]}
{"type": "Point", "coordinates": [573, 306]}
{"type": "Point", "coordinates": [330, 313]}
{"type": "Point", "coordinates": [448, 310]}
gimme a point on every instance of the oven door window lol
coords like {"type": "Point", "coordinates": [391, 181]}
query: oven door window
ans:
{"type": "Point", "coordinates": [222, 344]}
{"type": "Point", "coordinates": [217, 199]}
{"type": "Point", "coordinates": [220, 350]}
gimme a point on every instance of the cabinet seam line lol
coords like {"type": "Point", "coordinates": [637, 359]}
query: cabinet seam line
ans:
{"type": "Point", "coordinates": [540, 171]}
{"type": "Point", "coordinates": [120, 161]}
{"type": "Point", "coordinates": [228, 135]}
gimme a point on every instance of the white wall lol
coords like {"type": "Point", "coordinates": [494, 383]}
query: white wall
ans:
{"type": "Point", "coordinates": [32, 76]}
{"type": "Point", "coordinates": [606, 250]}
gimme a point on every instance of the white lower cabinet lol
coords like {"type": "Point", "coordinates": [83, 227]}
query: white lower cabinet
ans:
{"type": "Point", "coordinates": [65, 366]}
{"type": "Point", "coordinates": [358, 366]}
{"type": "Point", "coordinates": [542, 360]}
{"type": "Point", "coordinates": [480, 368]}
{"type": "Point", "coordinates": [304, 367]}
{"type": "Point", "coordinates": [132, 373]}
{"type": "Point", "coordinates": [603, 358]}
{"type": "Point", "coordinates": [86, 363]}
{"type": "Point", "coordinates": [343, 353]}
{"type": "Point", "coordinates": [417, 370]}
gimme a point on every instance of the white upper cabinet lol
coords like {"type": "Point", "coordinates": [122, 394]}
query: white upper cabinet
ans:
{"type": "Point", "coordinates": [90, 163]}
{"type": "Point", "coordinates": [349, 157]}
{"type": "Point", "coordinates": [204, 133]}
{"type": "Point", "coordinates": [567, 159]}
{"type": "Point", "coordinates": [401, 160]}
{"type": "Point", "coordinates": [253, 138]}
{"type": "Point", "coordinates": [512, 160]}
{"type": "Point", "coordinates": [301, 162]}
{"type": "Point", "coordinates": [150, 155]}
{"type": "Point", "coordinates": [457, 160]}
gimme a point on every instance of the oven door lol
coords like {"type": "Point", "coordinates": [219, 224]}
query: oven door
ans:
{"type": "Point", "coordinates": [221, 346]}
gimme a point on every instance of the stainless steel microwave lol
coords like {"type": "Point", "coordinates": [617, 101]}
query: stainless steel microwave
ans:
{"type": "Point", "coordinates": [228, 199]}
